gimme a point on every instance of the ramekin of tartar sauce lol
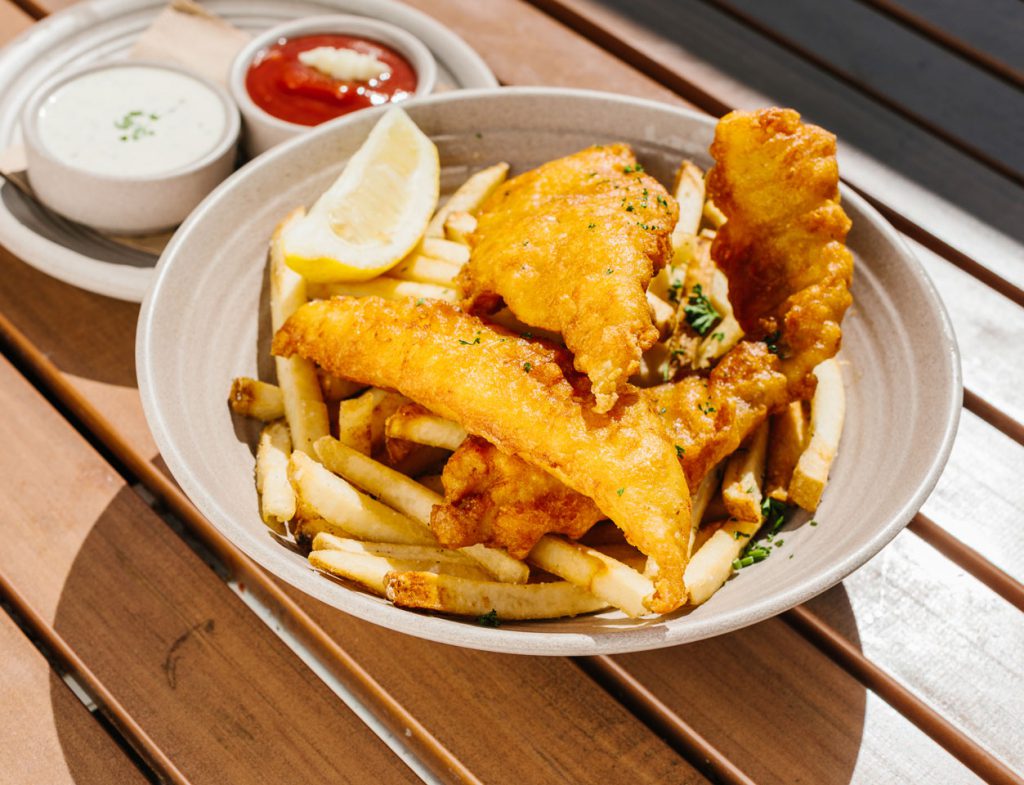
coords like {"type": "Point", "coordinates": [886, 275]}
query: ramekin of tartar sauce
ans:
{"type": "Point", "coordinates": [309, 71]}
{"type": "Point", "coordinates": [129, 147]}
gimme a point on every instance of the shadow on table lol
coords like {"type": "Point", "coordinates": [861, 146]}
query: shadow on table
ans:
{"type": "Point", "coordinates": [710, 35]}
{"type": "Point", "coordinates": [84, 334]}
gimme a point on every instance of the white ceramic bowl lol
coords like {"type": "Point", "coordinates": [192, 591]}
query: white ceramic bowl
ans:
{"type": "Point", "coordinates": [263, 130]}
{"type": "Point", "coordinates": [124, 204]}
{"type": "Point", "coordinates": [207, 319]}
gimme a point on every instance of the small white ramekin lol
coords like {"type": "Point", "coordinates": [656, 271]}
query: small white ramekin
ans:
{"type": "Point", "coordinates": [261, 130]}
{"type": "Point", "coordinates": [119, 204]}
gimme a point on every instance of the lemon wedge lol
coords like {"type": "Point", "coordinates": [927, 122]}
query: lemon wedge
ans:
{"type": "Point", "coordinates": [375, 212]}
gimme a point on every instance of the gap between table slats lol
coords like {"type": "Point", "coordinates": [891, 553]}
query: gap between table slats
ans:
{"type": "Point", "coordinates": [389, 711]}
{"type": "Point", "coordinates": [995, 417]}
{"type": "Point", "coordinates": [56, 648]}
{"type": "Point", "coordinates": [955, 741]}
{"type": "Point", "coordinates": [950, 43]}
{"type": "Point", "coordinates": [683, 737]}
{"type": "Point", "coordinates": [712, 104]}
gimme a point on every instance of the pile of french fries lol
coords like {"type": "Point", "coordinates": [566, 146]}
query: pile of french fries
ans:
{"type": "Point", "coordinates": [353, 473]}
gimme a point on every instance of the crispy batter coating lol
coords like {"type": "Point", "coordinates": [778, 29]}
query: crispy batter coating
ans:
{"type": "Point", "coordinates": [782, 247]}
{"type": "Point", "coordinates": [522, 396]}
{"type": "Point", "coordinates": [571, 247]}
{"type": "Point", "coordinates": [777, 182]}
{"type": "Point", "coordinates": [502, 501]}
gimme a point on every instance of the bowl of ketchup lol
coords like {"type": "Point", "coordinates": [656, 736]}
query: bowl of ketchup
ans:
{"type": "Point", "coordinates": [309, 71]}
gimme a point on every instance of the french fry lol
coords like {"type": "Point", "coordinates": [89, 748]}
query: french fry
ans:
{"type": "Point", "coordinates": [444, 250]}
{"type": "Point", "coordinates": [593, 571]}
{"type": "Point", "coordinates": [337, 502]}
{"type": "Point", "coordinates": [663, 313]}
{"type": "Point", "coordinates": [744, 477]}
{"type": "Point", "coordinates": [304, 406]}
{"type": "Point", "coordinates": [305, 529]}
{"type": "Point", "coordinates": [424, 269]}
{"type": "Point", "coordinates": [415, 424]}
{"type": "Point", "coordinates": [787, 439]}
{"type": "Point", "coordinates": [253, 398]}
{"type": "Point", "coordinates": [459, 226]}
{"type": "Point", "coordinates": [711, 565]}
{"type": "Point", "coordinates": [361, 420]}
{"type": "Point", "coordinates": [468, 197]}
{"type": "Point", "coordinates": [388, 288]}
{"type": "Point", "coordinates": [689, 193]}
{"type": "Point", "coordinates": [713, 215]}
{"type": "Point", "coordinates": [828, 410]}
{"type": "Point", "coordinates": [700, 500]}
{"type": "Point", "coordinates": [277, 499]}
{"type": "Point", "coordinates": [465, 597]}
{"type": "Point", "coordinates": [366, 569]}
{"type": "Point", "coordinates": [405, 557]}
{"type": "Point", "coordinates": [410, 499]}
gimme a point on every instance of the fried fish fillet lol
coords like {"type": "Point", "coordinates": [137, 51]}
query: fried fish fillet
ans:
{"type": "Point", "coordinates": [521, 396]}
{"type": "Point", "coordinates": [503, 501]}
{"type": "Point", "coordinates": [782, 248]}
{"type": "Point", "coordinates": [571, 247]}
{"type": "Point", "coordinates": [783, 245]}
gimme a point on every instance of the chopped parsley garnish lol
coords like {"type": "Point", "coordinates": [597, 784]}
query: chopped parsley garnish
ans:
{"type": "Point", "coordinates": [527, 367]}
{"type": "Point", "coordinates": [632, 168]}
{"type": "Point", "coordinates": [662, 410]}
{"type": "Point", "coordinates": [478, 135]}
{"type": "Point", "coordinates": [813, 523]}
{"type": "Point", "coordinates": [620, 491]}
{"type": "Point", "coordinates": [706, 408]}
{"type": "Point", "coordinates": [662, 201]}
{"type": "Point", "coordinates": [609, 271]}
{"type": "Point", "coordinates": [134, 125]}
{"type": "Point", "coordinates": [772, 342]}
{"type": "Point", "coordinates": [420, 301]}
{"type": "Point", "coordinates": [629, 208]}
{"type": "Point", "coordinates": [773, 514]}
{"type": "Point", "coordinates": [675, 290]}
{"type": "Point", "coordinates": [680, 451]}
{"type": "Point", "coordinates": [700, 313]}
{"type": "Point", "coordinates": [718, 336]}
{"type": "Point", "coordinates": [591, 226]}
{"type": "Point", "coordinates": [471, 343]}
{"type": "Point", "coordinates": [489, 619]}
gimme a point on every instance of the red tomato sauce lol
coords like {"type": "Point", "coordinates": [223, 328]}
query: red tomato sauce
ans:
{"type": "Point", "coordinates": [280, 84]}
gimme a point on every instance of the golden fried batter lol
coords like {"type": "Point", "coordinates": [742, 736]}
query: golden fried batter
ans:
{"type": "Point", "coordinates": [500, 500]}
{"type": "Point", "coordinates": [522, 396]}
{"type": "Point", "coordinates": [788, 271]}
{"type": "Point", "coordinates": [571, 247]}
{"type": "Point", "coordinates": [782, 247]}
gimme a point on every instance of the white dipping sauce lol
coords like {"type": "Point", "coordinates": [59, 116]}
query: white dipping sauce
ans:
{"type": "Point", "coordinates": [132, 121]}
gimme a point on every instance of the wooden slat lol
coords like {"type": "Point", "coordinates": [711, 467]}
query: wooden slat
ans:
{"type": "Point", "coordinates": [764, 694]}
{"type": "Point", "coordinates": [12, 21]}
{"type": "Point", "coordinates": [958, 207]}
{"type": "Point", "coordinates": [995, 28]}
{"type": "Point", "coordinates": [46, 734]}
{"type": "Point", "coordinates": [950, 42]}
{"type": "Point", "coordinates": [211, 685]}
{"type": "Point", "coordinates": [951, 100]}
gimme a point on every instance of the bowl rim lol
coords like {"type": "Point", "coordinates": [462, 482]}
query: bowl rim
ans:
{"type": "Point", "coordinates": [534, 641]}
{"type": "Point", "coordinates": [34, 142]}
{"type": "Point", "coordinates": [410, 46]}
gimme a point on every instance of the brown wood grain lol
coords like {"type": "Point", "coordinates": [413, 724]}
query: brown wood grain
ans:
{"type": "Point", "coordinates": [12, 21]}
{"type": "Point", "coordinates": [46, 733]}
{"type": "Point", "coordinates": [214, 687]}
{"type": "Point", "coordinates": [91, 341]}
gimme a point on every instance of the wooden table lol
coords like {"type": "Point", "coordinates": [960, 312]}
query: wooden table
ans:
{"type": "Point", "coordinates": [136, 642]}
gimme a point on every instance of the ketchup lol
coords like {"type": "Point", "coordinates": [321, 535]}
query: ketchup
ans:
{"type": "Point", "coordinates": [280, 84]}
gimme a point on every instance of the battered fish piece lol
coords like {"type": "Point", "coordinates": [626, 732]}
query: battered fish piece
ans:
{"type": "Point", "coordinates": [782, 247]}
{"type": "Point", "coordinates": [521, 396]}
{"type": "Point", "coordinates": [504, 502]}
{"type": "Point", "coordinates": [789, 273]}
{"type": "Point", "coordinates": [571, 247]}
